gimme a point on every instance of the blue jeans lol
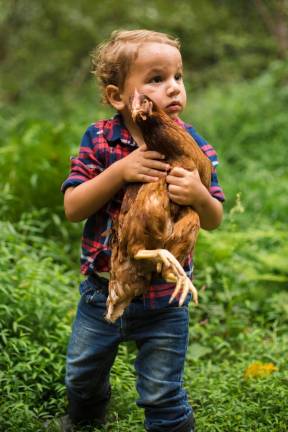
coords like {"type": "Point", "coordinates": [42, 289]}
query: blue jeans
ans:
{"type": "Point", "coordinates": [161, 337]}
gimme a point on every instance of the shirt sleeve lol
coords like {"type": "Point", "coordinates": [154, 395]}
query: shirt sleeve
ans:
{"type": "Point", "coordinates": [215, 188]}
{"type": "Point", "coordinates": [86, 165]}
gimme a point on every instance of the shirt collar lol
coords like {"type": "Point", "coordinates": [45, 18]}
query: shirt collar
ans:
{"type": "Point", "coordinates": [115, 130]}
{"type": "Point", "coordinates": [180, 122]}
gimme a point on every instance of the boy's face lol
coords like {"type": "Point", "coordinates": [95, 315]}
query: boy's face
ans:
{"type": "Point", "coordinates": [157, 73]}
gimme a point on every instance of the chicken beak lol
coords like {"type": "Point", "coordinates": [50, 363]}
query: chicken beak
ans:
{"type": "Point", "coordinates": [135, 104]}
{"type": "Point", "coordinates": [140, 106]}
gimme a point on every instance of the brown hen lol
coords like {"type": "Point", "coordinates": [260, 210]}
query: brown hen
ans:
{"type": "Point", "coordinates": [153, 233]}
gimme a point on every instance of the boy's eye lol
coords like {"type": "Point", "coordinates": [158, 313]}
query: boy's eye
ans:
{"type": "Point", "coordinates": [156, 79]}
{"type": "Point", "coordinates": [178, 76]}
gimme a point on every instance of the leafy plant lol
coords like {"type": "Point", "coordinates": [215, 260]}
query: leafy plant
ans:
{"type": "Point", "coordinates": [240, 270]}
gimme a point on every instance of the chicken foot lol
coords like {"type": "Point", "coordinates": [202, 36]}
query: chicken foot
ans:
{"type": "Point", "coordinates": [177, 274]}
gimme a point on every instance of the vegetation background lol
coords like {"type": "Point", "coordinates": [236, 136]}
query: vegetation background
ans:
{"type": "Point", "coordinates": [236, 69]}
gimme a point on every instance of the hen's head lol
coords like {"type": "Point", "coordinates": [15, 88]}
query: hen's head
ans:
{"type": "Point", "coordinates": [142, 107]}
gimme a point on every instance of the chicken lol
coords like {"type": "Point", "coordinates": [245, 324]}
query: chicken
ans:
{"type": "Point", "coordinates": [153, 233]}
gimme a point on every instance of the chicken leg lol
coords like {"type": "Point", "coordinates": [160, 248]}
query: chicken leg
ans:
{"type": "Point", "coordinates": [176, 274]}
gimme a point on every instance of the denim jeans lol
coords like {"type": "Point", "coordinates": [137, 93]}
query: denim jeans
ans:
{"type": "Point", "coordinates": [161, 337]}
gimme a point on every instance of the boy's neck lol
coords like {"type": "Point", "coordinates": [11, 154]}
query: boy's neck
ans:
{"type": "Point", "coordinates": [134, 131]}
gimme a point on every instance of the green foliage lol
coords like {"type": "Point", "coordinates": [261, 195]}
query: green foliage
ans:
{"type": "Point", "coordinates": [247, 124]}
{"type": "Point", "coordinates": [37, 297]}
{"type": "Point", "coordinates": [240, 270]}
{"type": "Point", "coordinates": [242, 317]}
{"type": "Point", "coordinates": [34, 152]}
{"type": "Point", "coordinates": [32, 164]}
{"type": "Point", "coordinates": [46, 45]}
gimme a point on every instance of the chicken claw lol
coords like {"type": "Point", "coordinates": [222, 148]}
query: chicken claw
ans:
{"type": "Point", "coordinates": [186, 285]}
{"type": "Point", "coordinates": [176, 274]}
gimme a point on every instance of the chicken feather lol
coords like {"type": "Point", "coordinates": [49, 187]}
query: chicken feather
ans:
{"type": "Point", "coordinates": [153, 234]}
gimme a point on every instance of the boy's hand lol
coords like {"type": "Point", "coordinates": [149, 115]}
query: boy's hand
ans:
{"type": "Point", "coordinates": [144, 166]}
{"type": "Point", "coordinates": [185, 187]}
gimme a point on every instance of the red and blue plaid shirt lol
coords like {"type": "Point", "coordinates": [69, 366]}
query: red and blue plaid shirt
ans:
{"type": "Point", "coordinates": [104, 143]}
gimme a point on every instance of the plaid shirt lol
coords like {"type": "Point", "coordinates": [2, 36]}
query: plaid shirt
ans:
{"type": "Point", "coordinates": [104, 143]}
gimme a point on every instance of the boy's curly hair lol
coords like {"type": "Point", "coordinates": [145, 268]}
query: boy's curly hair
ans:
{"type": "Point", "coordinates": [112, 59]}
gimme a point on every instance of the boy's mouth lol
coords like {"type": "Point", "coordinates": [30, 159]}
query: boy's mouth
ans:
{"type": "Point", "coordinates": [174, 106]}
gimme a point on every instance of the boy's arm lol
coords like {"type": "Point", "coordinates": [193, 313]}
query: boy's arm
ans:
{"type": "Point", "coordinates": [210, 211]}
{"type": "Point", "coordinates": [88, 197]}
{"type": "Point", "coordinates": [85, 199]}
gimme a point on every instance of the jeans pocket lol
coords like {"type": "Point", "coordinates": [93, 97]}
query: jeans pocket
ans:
{"type": "Point", "coordinates": [94, 291]}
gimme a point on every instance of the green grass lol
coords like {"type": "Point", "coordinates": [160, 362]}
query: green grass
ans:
{"type": "Point", "coordinates": [242, 318]}
{"type": "Point", "coordinates": [241, 269]}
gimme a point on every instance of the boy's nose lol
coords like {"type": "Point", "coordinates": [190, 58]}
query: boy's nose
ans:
{"type": "Point", "coordinates": [173, 88]}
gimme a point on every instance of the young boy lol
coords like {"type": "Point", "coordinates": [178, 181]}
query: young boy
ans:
{"type": "Point", "coordinates": [112, 154]}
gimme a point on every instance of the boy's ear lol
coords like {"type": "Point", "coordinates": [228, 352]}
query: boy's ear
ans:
{"type": "Point", "coordinates": [114, 97]}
